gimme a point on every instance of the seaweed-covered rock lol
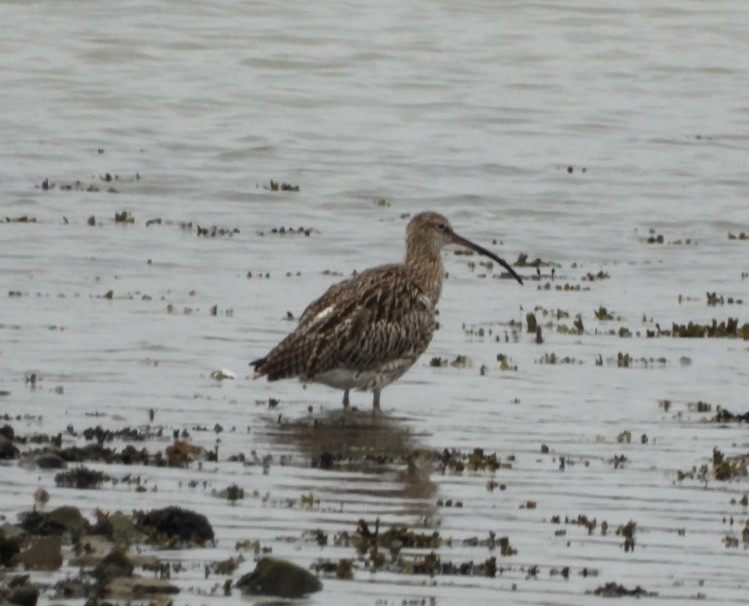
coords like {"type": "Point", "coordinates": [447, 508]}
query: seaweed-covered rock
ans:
{"type": "Point", "coordinates": [117, 527]}
{"type": "Point", "coordinates": [73, 588]}
{"type": "Point", "coordinates": [138, 588]}
{"type": "Point", "coordinates": [726, 416]}
{"type": "Point", "coordinates": [617, 590]}
{"type": "Point", "coordinates": [178, 523]}
{"type": "Point", "coordinates": [91, 549]}
{"type": "Point", "coordinates": [44, 554]}
{"type": "Point", "coordinates": [81, 477]}
{"type": "Point", "coordinates": [130, 588]}
{"type": "Point", "coordinates": [56, 522]}
{"type": "Point", "coordinates": [280, 578]}
{"type": "Point", "coordinates": [89, 452]}
{"type": "Point", "coordinates": [115, 564]}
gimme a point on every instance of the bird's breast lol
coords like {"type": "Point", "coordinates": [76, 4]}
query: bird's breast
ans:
{"type": "Point", "coordinates": [346, 378]}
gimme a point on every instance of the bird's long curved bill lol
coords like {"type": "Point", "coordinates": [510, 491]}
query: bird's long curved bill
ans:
{"type": "Point", "coordinates": [460, 240]}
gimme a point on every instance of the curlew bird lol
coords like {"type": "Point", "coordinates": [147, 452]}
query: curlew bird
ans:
{"type": "Point", "coordinates": [367, 331]}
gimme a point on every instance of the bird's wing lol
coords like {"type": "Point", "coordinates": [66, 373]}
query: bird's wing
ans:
{"type": "Point", "coordinates": [333, 294]}
{"type": "Point", "coordinates": [379, 316]}
{"type": "Point", "coordinates": [324, 301]}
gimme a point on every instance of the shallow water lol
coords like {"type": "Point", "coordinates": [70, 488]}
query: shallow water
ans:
{"type": "Point", "coordinates": [564, 131]}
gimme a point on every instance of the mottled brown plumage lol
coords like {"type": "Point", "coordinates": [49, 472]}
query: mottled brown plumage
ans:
{"type": "Point", "coordinates": [365, 332]}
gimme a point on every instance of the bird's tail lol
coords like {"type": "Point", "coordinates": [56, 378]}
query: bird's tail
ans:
{"type": "Point", "coordinates": [257, 365]}
{"type": "Point", "coordinates": [286, 360]}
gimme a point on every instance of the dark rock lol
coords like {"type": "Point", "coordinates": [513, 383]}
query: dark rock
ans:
{"type": "Point", "coordinates": [7, 449]}
{"type": "Point", "coordinates": [56, 522]}
{"type": "Point", "coordinates": [326, 460]}
{"type": "Point", "coordinates": [234, 493]}
{"type": "Point", "coordinates": [9, 548]}
{"type": "Point", "coordinates": [279, 577]}
{"type": "Point", "coordinates": [50, 461]}
{"type": "Point", "coordinates": [115, 564]}
{"type": "Point", "coordinates": [17, 590]}
{"type": "Point", "coordinates": [178, 523]}
{"type": "Point", "coordinates": [44, 554]}
{"type": "Point", "coordinates": [26, 595]}
{"type": "Point", "coordinates": [17, 581]}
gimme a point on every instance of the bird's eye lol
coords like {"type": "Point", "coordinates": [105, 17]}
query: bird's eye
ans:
{"type": "Point", "coordinates": [442, 226]}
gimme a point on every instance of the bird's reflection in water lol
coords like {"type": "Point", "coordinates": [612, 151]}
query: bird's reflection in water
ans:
{"type": "Point", "coordinates": [355, 448]}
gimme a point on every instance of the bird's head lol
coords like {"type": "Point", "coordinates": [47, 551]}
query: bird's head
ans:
{"type": "Point", "coordinates": [428, 232]}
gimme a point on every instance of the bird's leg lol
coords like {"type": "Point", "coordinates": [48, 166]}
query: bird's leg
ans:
{"type": "Point", "coordinates": [345, 398]}
{"type": "Point", "coordinates": [376, 410]}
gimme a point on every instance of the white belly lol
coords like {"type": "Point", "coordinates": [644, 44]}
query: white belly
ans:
{"type": "Point", "coordinates": [345, 378]}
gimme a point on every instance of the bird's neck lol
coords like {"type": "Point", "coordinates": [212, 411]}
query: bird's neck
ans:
{"type": "Point", "coordinates": [427, 271]}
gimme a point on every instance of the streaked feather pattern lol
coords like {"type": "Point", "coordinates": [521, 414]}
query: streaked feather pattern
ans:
{"type": "Point", "coordinates": [361, 324]}
{"type": "Point", "coordinates": [365, 332]}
